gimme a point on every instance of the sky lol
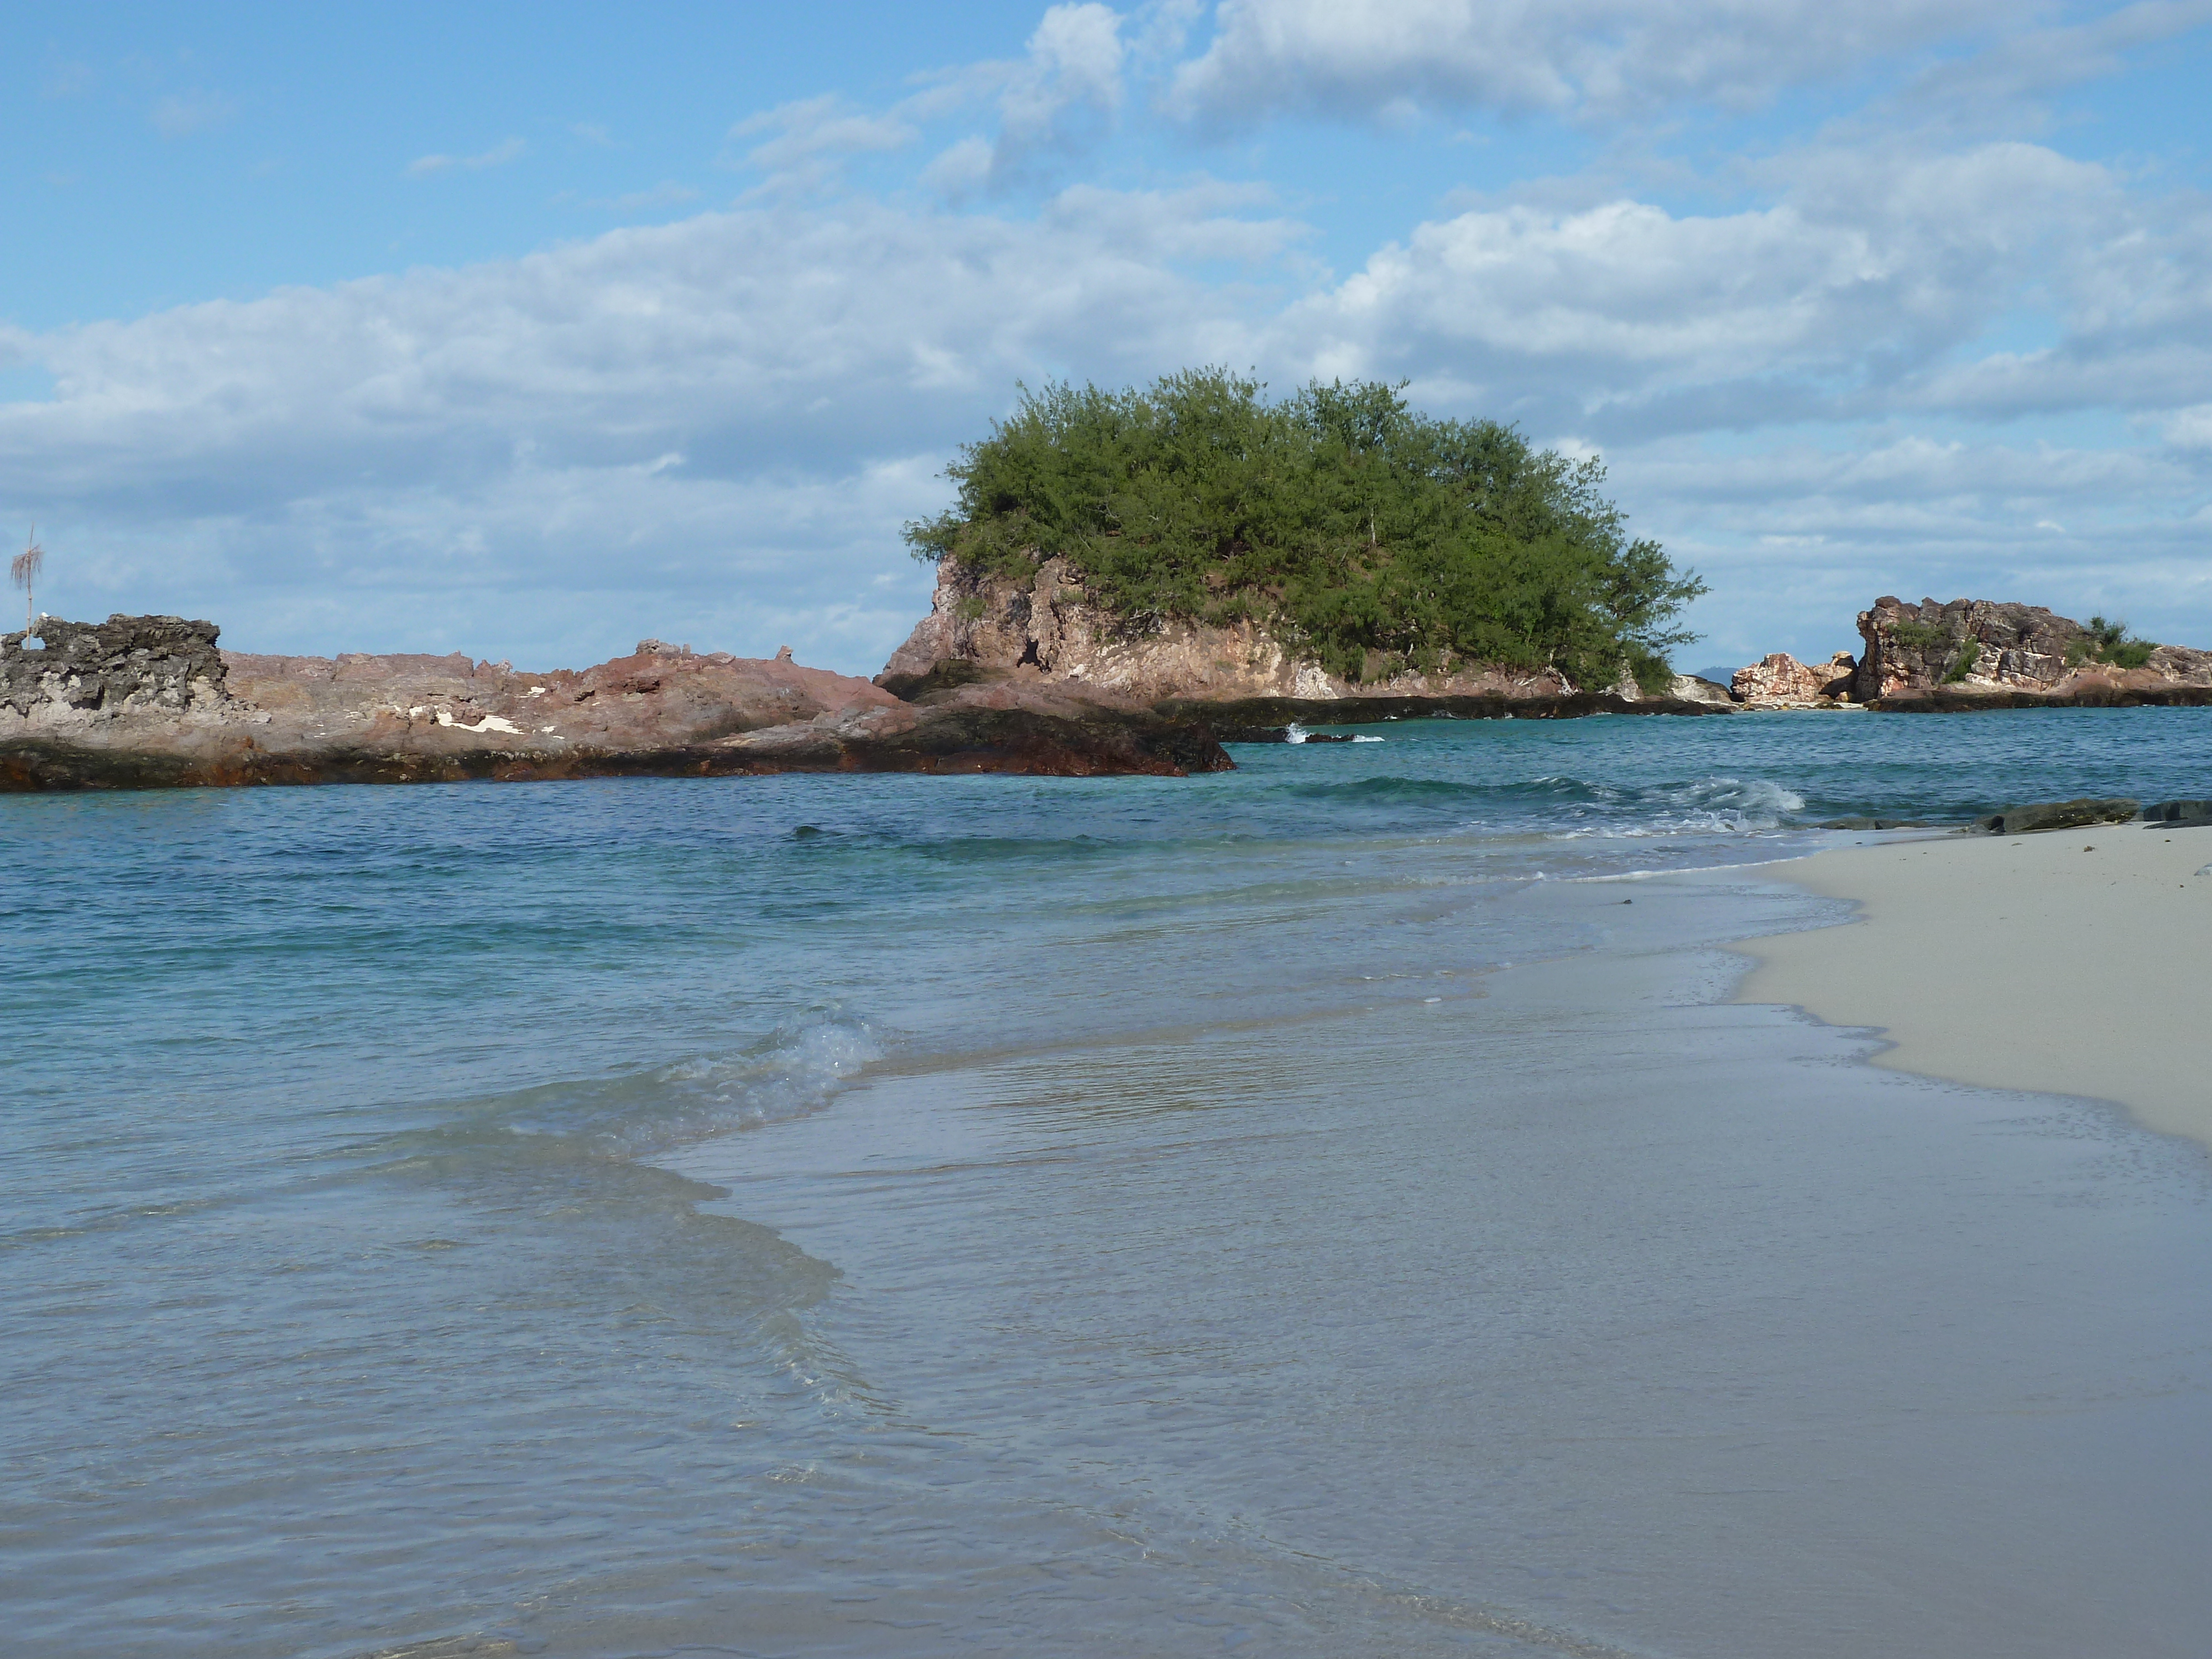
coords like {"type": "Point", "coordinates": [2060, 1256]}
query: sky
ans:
{"type": "Point", "coordinates": [537, 330]}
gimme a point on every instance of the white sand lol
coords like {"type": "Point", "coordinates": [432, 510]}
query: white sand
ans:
{"type": "Point", "coordinates": [2022, 961]}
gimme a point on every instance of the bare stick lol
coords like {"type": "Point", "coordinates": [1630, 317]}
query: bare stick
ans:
{"type": "Point", "coordinates": [23, 571]}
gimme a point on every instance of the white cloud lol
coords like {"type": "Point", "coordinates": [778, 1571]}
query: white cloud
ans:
{"type": "Point", "coordinates": [1863, 289]}
{"type": "Point", "coordinates": [1374, 58]}
{"type": "Point", "coordinates": [511, 150]}
{"type": "Point", "coordinates": [1057, 101]}
{"type": "Point", "coordinates": [492, 442]}
{"type": "Point", "coordinates": [813, 138]}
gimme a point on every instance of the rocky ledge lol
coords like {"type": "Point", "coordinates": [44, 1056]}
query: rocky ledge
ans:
{"type": "Point", "coordinates": [142, 702]}
{"type": "Point", "coordinates": [987, 629]}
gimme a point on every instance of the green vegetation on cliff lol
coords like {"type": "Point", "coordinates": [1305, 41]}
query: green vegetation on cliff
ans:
{"type": "Point", "coordinates": [1374, 536]}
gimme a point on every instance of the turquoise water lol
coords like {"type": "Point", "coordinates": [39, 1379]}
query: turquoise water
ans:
{"type": "Point", "coordinates": [1300, 1210]}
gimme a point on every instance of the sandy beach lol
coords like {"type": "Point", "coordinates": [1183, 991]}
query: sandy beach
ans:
{"type": "Point", "coordinates": [2064, 962]}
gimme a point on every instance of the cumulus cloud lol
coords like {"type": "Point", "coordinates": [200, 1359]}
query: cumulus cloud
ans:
{"type": "Point", "coordinates": [341, 453]}
{"type": "Point", "coordinates": [1056, 101]}
{"type": "Point", "coordinates": [1375, 59]}
{"type": "Point", "coordinates": [1863, 291]}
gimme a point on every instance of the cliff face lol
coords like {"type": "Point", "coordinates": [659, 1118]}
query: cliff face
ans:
{"type": "Point", "coordinates": [148, 701]}
{"type": "Point", "coordinates": [989, 623]}
{"type": "Point", "coordinates": [1973, 646]}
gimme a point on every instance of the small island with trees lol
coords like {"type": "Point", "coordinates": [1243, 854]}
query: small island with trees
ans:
{"type": "Point", "coordinates": [1374, 541]}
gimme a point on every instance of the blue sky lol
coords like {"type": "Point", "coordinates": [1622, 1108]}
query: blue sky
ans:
{"type": "Point", "coordinates": [532, 331]}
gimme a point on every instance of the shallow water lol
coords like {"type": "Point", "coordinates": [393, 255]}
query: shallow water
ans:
{"type": "Point", "coordinates": [1304, 1209]}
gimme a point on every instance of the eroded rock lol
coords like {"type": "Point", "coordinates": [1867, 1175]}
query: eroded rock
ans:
{"type": "Point", "coordinates": [981, 624]}
{"type": "Point", "coordinates": [1778, 680]}
{"type": "Point", "coordinates": [85, 672]}
{"type": "Point", "coordinates": [1971, 647]}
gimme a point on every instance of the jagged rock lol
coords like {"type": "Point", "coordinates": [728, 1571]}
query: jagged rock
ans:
{"type": "Point", "coordinates": [1689, 687]}
{"type": "Point", "coordinates": [980, 624]}
{"type": "Point", "coordinates": [1976, 648]}
{"type": "Point", "coordinates": [2060, 815]}
{"type": "Point", "coordinates": [1780, 681]}
{"type": "Point", "coordinates": [246, 718]}
{"type": "Point", "coordinates": [85, 672]}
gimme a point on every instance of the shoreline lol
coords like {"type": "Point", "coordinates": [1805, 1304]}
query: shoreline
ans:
{"type": "Point", "coordinates": [2060, 963]}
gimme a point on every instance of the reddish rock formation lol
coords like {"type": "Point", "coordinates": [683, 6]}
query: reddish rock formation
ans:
{"type": "Point", "coordinates": [141, 701]}
{"type": "Point", "coordinates": [1974, 648]}
{"type": "Point", "coordinates": [1780, 681]}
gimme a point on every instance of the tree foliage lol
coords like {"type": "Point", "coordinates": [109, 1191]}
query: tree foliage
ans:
{"type": "Point", "coordinates": [1376, 538]}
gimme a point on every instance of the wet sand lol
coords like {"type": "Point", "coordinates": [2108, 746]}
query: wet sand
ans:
{"type": "Point", "coordinates": [2068, 962]}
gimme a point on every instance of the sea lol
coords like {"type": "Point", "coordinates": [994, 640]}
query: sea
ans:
{"type": "Point", "coordinates": [1333, 1207]}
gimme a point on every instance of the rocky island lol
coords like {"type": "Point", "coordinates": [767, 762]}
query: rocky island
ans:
{"type": "Point", "coordinates": [151, 702]}
{"type": "Point", "coordinates": [1977, 654]}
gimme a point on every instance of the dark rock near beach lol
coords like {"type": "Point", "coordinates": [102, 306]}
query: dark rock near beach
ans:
{"type": "Point", "coordinates": [2059, 815]}
{"type": "Point", "coordinates": [2178, 812]}
{"type": "Point", "coordinates": [148, 702]}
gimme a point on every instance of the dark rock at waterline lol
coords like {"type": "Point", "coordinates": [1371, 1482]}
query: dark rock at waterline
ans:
{"type": "Point", "coordinates": [2178, 812]}
{"type": "Point", "coordinates": [2060, 815]}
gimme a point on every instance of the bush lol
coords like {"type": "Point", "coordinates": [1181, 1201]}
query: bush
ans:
{"type": "Point", "coordinates": [1374, 538]}
{"type": "Point", "coordinates": [1920, 635]}
{"type": "Point", "coordinates": [1963, 664]}
{"type": "Point", "coordinates": [2107, 642]}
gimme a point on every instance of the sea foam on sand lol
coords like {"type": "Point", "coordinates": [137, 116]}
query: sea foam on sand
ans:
{"type": "Point", "coordinates": [2066, 962]}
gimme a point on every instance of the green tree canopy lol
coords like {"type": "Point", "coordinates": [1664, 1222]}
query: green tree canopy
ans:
{"type": "Point", "coordinates": [1374, 536]}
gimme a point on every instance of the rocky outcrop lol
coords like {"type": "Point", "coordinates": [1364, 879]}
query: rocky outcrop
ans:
{"type": "Point", "coordinates": [2059, 815]}
{"type": "Point", "coordinates": [1973, 648]}
{"type": "Point", "coordinates": [1780, 681]}
{"type": "Point", "coordinates": [981, 624]}
{"type": "Point", "coordinates": [79, 675]}
{"type": "Point", "coordinates": [1688, 687]}
{"type": "Point", "coordinates": [224, 718]}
